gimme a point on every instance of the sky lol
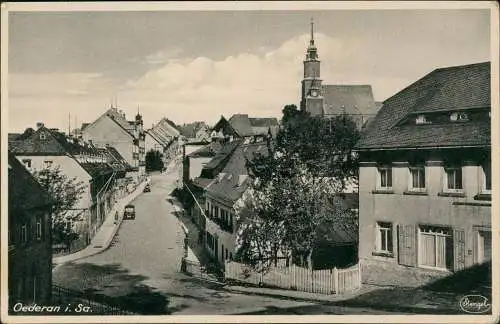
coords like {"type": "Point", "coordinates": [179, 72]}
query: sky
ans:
{"type": "Point", "coordinates": [199, 65]}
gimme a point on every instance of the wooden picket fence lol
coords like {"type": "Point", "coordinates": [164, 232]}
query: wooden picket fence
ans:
{"type": "Point", "coordinates": [329, 281]}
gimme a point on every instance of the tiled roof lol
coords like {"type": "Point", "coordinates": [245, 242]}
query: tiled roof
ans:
{"type": "Point", "coordinates": [13, 136]}
{"type": "Point", "coordinates": [190, 130]}
{"type": "Point", "coordinates": [233, 180]}
{"type": "Point", "coordinates": [55, 143]}
{"type": "Point", "coordinates": [205, 151]}
{"type": "Point", "coordinates": [202, 183]}
{"type": "Point", "coordinates": [351, 99]}
{"type": "Point", "coordinates": [97, 169]}
{"type": "Point", "coordinates": [219, 161]}
{"type": "Point", "coordinates": [263, 122]}
{"type": "Point", "coordinates": [24, 191]}
{"type": "Point", "coordinates": [445, 89]}
{"type": "Point", "coordinates": [241, 124]}
{"type": "Point", "coordinates": [224, 126]}
{"type": "Point", "coordinates": [120, 120]}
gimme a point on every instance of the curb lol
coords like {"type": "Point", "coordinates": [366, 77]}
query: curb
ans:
{"type": "Point", "coordinates": [281, 296]}
{"type": "Point", "coordinates": [107, 243]}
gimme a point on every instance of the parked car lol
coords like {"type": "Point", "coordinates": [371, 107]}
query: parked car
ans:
{"type": "Point", "coordinates": [129, 212]}
{"type": "Point", "coordinates": [147, 188]}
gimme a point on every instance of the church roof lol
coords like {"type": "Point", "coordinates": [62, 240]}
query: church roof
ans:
{"type": "Point", "coordinates": [351, 99]}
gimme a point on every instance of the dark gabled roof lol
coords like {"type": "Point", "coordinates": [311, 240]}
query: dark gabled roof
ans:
{"type": "Point", "coordinates": [241, 124]}
{"type": "Point", "coordinates": [24, 191]}
{"type": "Point", "coordinates": [233, 179]}
{"type": "Point", "coordinates": [263, 122]}
{"type": "Point", "coordinates": [224, 127]}
{"type": "Point", "coordinates": [351, 99]}
{"type": "Point", "coordinates": [118, 158]}
{"type": "Point", "coordinates": [120, 120]}
{"type": "Point", "coordinates": [96, 169]}
{"type": "Point", "coordinates": [190, 130]}
{"type": "Point", "coordinates": [55, 143]}
{"type": "Point", "coordinates": [205, 151]}
{"type": "Point", "coordinates": [218, 162]}
{"type": "Point", "coordinates": [445, 89]}
{"type": "Point", "coordinates": [201, 183]}
{"type": "Point", "coordinates": [13, 136]}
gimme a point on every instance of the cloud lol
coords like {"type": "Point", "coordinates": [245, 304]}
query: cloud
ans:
{"type": "Point", "coordinates": [163, 56]}
{"type": "Point", "coordinates": [202, 88]}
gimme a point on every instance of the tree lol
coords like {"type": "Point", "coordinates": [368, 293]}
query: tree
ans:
{"type": "Point", "coordinates": [294, 195]}
{"type": "Point", "coordinates": [66, 192]}
{"type": "Point", "coordinates": [154, 160]}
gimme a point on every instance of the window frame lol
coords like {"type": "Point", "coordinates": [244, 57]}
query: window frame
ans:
{"type": "Point", "coordinates": [388, 229]}
{"type": "Point", "coordinates": [23, 233]}
{"type": "Point", "coordinates": [39, 229]}
{"type": "Point", "coordinates": [446, 184]}
{"type": "Point", "coordinates": [411, 169]}
{"type": "Point", "coordinates": [448, 239]}
{"type": "Point", "coordinates": [386, 169]}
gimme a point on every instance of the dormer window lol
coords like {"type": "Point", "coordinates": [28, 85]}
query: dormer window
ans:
{"type": "Point", "coordinates": [43, 136]}
{"type": "Point", "coordinates": [421, 120]}
{"type": "Point", "coordinates": [459, 116]}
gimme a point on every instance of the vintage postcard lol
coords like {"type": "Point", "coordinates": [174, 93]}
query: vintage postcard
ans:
{"type": "Point", "coordinates": [250, 162]}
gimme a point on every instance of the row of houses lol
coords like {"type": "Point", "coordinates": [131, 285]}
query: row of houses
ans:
{"type": "Point", "coordinates": [424, 179]}
{"type": "Point", "coordinates": [106, 157]}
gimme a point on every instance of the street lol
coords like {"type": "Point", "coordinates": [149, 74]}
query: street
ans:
{"type": "Point", "coordinates": [142, 268]}
{"type": "Point", "coordinates": [143, 265]}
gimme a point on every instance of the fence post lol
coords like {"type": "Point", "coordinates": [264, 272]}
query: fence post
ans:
{"type": "Point", "coordinates": [336, 280]}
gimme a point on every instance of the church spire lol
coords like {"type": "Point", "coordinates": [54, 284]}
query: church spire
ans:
{"type": "Point", "coordinates": [311, 42]}
{"type": "Point", "coordinates": [312, 51]}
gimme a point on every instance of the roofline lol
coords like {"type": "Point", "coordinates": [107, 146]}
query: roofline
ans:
{"type": "Point", "coordinates": [431, 72]}
{"type": "Point", "coordinates": [418, 148]}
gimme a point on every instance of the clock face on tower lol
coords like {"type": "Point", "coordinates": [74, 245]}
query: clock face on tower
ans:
{"type": "Point", "coordinates": [314, 93]}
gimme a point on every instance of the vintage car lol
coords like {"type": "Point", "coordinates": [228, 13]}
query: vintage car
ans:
{"type": "Point", "coordinates": [147, 188]}
{"type": "Point", "coordinates": [129, 212]}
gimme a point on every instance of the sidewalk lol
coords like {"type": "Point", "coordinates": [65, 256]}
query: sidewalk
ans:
{"type": "Point", "coordinates": [415, 301]}
{"type": "Point", "coordinates": [293, 294]}
{"type": "Point", "coordinates": [106, 232]}
{"type": "Point", "coordinates": [196, 252]}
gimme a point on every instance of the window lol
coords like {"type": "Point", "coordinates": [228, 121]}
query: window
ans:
{"type": "Point", "coordinates": [459, 116]}
{"type": "Point", "coordinates": [417, 177]}
{"type": "Point", "coordinates": [38, 229]}
{"type": "Point", "coordinates": [24, 233]}
{"type": "Point", "coordinates": [230, 255]}
{"type": "Point", "coordinates": [435, 247]}
{"type": "Point", "coordinates": [421, 120]}
{"type": "Point", "coordinates": [47, 163]}
{"type": "Point", "coordinates": [483, 246]}
{"type": "Point", "coordinates": [43, 136]}
{"type": "Point", "coordinates": [453, 178]}
{"type": "Point", "coordinates": [487, 177]}
{"type": "Point", "coordinates": [227, 254]}
{"type": "Point", "coordinates": [385, 177]}
{"type": "Point", "coordinates": [384, 237]}
{"type": "Point", "coordinates": [27, 163]}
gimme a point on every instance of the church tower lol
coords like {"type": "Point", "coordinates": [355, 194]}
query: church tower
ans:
{"type": "Point", "coordinates": [312, 97]}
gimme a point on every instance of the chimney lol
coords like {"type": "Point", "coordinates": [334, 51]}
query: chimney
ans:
{"type": "Point", "coordinates": [39, 125]}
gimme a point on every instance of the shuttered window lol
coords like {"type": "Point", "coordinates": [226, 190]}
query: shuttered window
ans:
{"type": "Point", "coordinates": [407, 247]}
